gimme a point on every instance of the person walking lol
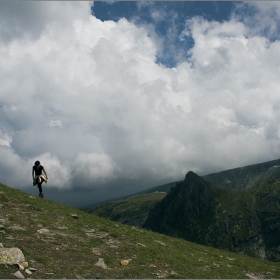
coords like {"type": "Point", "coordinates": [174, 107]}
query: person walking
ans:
{"type": "Point", "coordinates": [38, 177]}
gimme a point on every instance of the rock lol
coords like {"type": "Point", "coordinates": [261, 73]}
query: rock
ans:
{"type": "Point", "coordinates": [251, 276]}
{"type": "Point", "coordinates": [43, 231]}
{"type": "Point", "coordinates": [24, 264]}
{"type": "Point", "coordinates": [160, 242]}
{"type": "Point", "coordinates": [27, 271]}
{"type": "Point", "coordinates": [75, 216]}
{"type": "Point", "coordinates": [89, 230]}
{"type": "Point", "coordinates": [95, 251]}
{"type": "Point", "coordinates": [18, 275]}
{"type": "Point", "coordinates": [2, 221]}
{"type": "Point", "coordinates": [1, 245]}
{"type": "Point", "coordinates": [32, 269]}
{"type": "Point", "coordinates": [20, 267]}
{"type": "Point", "coordinates": [2, 227]}
{"type": "Point", "coordinates": [125, 262]}
{"type": "Point", "coordinates": [16, 228]}
{"type": "Point", "coordinates": [99, 234]}
{"type": "Point", "coordinates": [141, 244]}
{"type": "Point", "coordinates": [11, 256]}
{"type": "Point", "coordinates": [101, 263]}
{"type": "Point", "coordinates": [63, 227]}
{"type": "Point", "coordinates": [160, 275]}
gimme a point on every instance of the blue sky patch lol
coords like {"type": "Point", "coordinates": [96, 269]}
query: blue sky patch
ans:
{"type": "Point", "coordinates": [166, 21]}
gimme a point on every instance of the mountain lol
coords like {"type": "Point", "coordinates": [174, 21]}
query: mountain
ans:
{"type": "Point", "coordinates": [236, 178]}
{"type": "Point", "coordinates": [57, 241]}
{"type": "Point", "coordinates": [245, 221]}
{"type": "Point", "coordinates": [245, 177]}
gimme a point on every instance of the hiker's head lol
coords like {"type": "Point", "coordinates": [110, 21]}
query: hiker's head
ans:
{"type": "Point", "coordinates": [37, 163]}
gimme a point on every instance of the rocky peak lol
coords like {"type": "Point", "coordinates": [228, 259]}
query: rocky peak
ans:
{"type": "Point", "coordinates": [180, 212]}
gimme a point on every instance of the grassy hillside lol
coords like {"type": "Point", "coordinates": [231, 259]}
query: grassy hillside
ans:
{"type": "Point", "coordinates": [245, 177]}
{"type": "Point", "coordinates": [162, 188]}
{"type": "Point", "coordinates": [71, 247]}
{"type": "Point", "coordinates": [132, 211]}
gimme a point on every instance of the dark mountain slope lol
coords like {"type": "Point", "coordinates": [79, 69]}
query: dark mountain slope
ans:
{"type": "Point", "coordinates": [244, 221]}
{"type": "Point", "coordinates": [175, 216]}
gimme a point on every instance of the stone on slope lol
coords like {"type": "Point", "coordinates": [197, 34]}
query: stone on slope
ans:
{"type": "Point", "coordinates": [32, 269]}
{"type": "Point", "coordinates": [101, 263]}
{"type": "Point", "coordinates": [43, 230]}
{"type": "Point", "coordinates": [24, 264]}
{"type": "Point", "coordinates": [27, 271]}
{"type": "Point", "coordinates": [74, 216]}
{"type": "Point", "coordinates": [18, 275]}
{"type": "Point", "coordinates": [20, 266]}
{"type": "Point", "coordinates": [125, 262]}
{"type": "Point", "coordinates": [15, 227]}
{"type": "Point", "coordinates": [11, 256]}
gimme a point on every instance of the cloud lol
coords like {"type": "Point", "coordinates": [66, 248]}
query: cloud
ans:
{"type": "Point", "coordinates": [261, 17]}
{"type": "Point", "coordinates": [54, 123]}
{"type": "Point", "coordinates": [28, 19]}
{"type": "Point", "coordinates": [88, 100]}
{"type": "Point", "coordinates": [93, 167]}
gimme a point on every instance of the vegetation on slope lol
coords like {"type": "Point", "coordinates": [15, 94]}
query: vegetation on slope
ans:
{"type": "Point", "coordinates": [72, 247]}
{"type": "Point", "coordinates": [132, 211]}
{"type": "Point", "coordinates": [245, 177]}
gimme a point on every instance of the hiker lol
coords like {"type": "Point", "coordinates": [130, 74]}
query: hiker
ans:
{"type": "Point", "coordinates": [39, 178]}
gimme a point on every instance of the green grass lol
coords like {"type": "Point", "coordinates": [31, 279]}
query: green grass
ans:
{"type": "Point", "coordinates": [73, 246]}
{"type": "Point", "coordinates": [132, 211]}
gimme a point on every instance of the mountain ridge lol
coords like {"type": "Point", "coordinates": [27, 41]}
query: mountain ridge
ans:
{"type": "Point", "coordinates": [220, 178]}
{"type": "Point", "coordinates": [242, 217]}
{"type": "Point", "coordinates": [245, 221]}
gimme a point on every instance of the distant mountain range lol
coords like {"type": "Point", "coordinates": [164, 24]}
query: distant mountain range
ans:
{"type": "Point", "coordinates": [236, 210]}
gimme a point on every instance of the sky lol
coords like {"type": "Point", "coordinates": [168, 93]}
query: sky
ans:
{"type": "Point", "coordinates": [117, 97]}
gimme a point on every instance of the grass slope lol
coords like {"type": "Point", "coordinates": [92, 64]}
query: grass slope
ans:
{"type": "Point", "coordinates": [162, 188]}
{"type": "Point", "coordinates": [245, 177]}
{"type": "Point", "coordinates": [72, 247]}
{"type": "Point", "coordinates": [132, 211]}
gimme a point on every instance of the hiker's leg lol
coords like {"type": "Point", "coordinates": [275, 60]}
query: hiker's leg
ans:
{"type": "Point", "coordinates": [40, 190]}
{"type": "Point", "coordinates": [40, 187]}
